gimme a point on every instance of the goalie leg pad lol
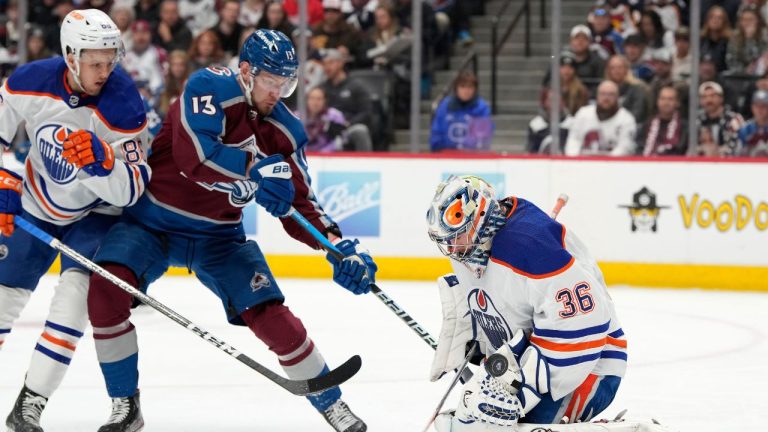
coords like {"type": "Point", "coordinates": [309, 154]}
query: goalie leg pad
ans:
{"type": "Point", "coordinates": [456, 329]}
{"type": "Point", "coordinates": [590, 399]}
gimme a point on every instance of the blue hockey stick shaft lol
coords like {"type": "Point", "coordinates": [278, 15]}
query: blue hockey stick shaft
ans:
{"type": "Point", "coordinates": [297, 387]}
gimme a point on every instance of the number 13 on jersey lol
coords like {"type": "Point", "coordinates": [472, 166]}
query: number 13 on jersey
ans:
{"type": "Point", "coordinates": [575, 300]}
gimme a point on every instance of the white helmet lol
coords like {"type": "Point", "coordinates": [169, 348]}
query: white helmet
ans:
{"type": "Point", "coordinates": [88, 29]}
{"type": "Point", "coordinates": [464, 211]}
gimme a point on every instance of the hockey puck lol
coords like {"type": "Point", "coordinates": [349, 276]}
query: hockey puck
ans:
{"type": "Point", "coordinates": [496, 365]}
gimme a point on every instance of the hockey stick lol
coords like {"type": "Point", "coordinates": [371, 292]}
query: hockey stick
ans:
{"type": "Point", "coordinates": [463, 367]}
{"type": "Point", "coordinates": [381, 295]}
{"type": "Point", "coordinates": [562, 200]}
{"type": "Point", "coordinates": [297, 387]}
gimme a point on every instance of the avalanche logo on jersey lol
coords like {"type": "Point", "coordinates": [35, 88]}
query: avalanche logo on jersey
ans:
{"type": "Point", "coordinates": [240, 192]}
{"type": "Point", "coordinates": [485, 314]}
{"type": "Point", "coordinates": [352, 199]}
{"type": "Point", "coordinates": [50, 139]}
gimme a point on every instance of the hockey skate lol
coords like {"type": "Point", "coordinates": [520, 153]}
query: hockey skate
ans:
{"type": "Point", "coordinates": [126, 415]}
{"type": "Point", "coordinates": [25, 416]}
{"type": "Point", "coordinates": [343, 419]}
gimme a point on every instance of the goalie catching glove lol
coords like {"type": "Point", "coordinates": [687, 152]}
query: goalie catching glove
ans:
{"type": "Point", "coordinates": [505, 390]}
{"type": "Point", "coordinates": [357, 271]}
{"type": "Point", "coordinates": [86, 151]}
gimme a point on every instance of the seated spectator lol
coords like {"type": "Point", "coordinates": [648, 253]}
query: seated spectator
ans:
{"type": "Point", "coordinates": [715, 34]}
{"type": "Point", "coordinates": [462, 120]}
{"type": "Point", "coordinates": [588, 65]}
{"type": "Point", "coordinates": [730, 7]}
{"type": "Point", "coordinates": [346, 94]}
{"type": "Point", "coordinates": [328, 130]}
{"type": "Point", "coordinates": [634, 47]}
{"type": "Point", "coordinates": [228, 29]}
{"type": "Point", "coordinates": [621, 15]}
{"type": "Point", "coordinates": [539, 136]}
{"type": "Point", "coordinates": [199, 15]}
{"type": "Point", "coordinates": [383, 34]}
{"type": "Point", "coordinates": [656, 37]}
{"type": "Point", "coordinates": [361, 17]}
{"type": "Point", "coordinates": [602, 129]}
{"type": "Point", "coordinates": [665, 134]}
{"type": "Point", "coordinates": [747, 43]}
{"type": "Point", "coordinates": [662, 64]}
{"type": "Point", "coordinates": [314, 11]}
{"type": "Point", "coordinates": [604, 34]}
{"type": "Point", "coordinates": [171, 32]}
{"type": "Point", "coordinates": [251, 12]}
{"type": "Point", "coordinates": [36, 49]}
{"type": "Point", "coordinates": [753, 136]}
{"type": "Point", "coordinates": [178, 71]}
{"type": "Point", "coordinates": [458, 13]}
{"type": "Point", "coordinates": [669, 12]}
{"type": "Point", "coordinates": [122, 15]}
{"type": "Point", "coordinates": [275, 18]}
{"type": "Point", "coordinates": [334, 32]}
{"type": "Point", "coordinates": [761, 83]}
{"type": "Point", "coordinates": [634, 93]}
{"type": "Point", "coordinates": [147, 10]}
{"type": "Point", "coordinates": [145, 61]}
{"type": "Point", "coordinates": [681, 60]}
{"type": "Point", "coordinates": [429, 43]}
{"type": "Point", "coordinates": [574, 93]}
{"type": "Point", "coordinates": [718, 124]}
{"type": "Point", "coordinates": [206, 51]}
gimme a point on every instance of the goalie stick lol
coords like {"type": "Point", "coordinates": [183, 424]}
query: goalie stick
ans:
{"type": "Point", "coordinates": [297, 387]}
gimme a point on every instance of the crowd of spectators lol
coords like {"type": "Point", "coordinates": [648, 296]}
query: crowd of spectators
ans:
{"type": "Point", "coordinates": [166, 40]}
{"type": "Point", "coordinates": [625, 81]}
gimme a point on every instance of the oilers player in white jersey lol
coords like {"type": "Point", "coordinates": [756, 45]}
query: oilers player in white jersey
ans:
{"type": "Point", "coordinates": [87, 124]}
{"type": "Point", "coordinates": [535, 300]}
{"type": "Point", "coordinates": [228, 140]}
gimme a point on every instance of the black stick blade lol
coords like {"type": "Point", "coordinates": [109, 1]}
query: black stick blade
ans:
{"type": "Point", "coordinates": [335, 377]}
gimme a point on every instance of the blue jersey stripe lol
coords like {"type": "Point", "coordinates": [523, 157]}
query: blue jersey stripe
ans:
{"type": "Point", "coordinates": [44, 188]}
{"type": "Point", "coordinates": [572, 334]}
{"type": "Point", "coordinates": [614, 355]}
{"type": "Point", "coordinates": [58, 357]}
{"type": "Point", "coordinates": [617, 334]}
{"type": "Point", "coordinates": [130, 182]}
{"type": "Point", "coordinates": [3, 331]}
{"type": "Point", "coordinates": [65, 330]}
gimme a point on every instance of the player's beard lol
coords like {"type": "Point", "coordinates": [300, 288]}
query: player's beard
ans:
{"type": "Point", "coordinates": [264, 109]}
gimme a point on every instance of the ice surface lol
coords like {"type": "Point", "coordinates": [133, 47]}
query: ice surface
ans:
{"type": "Point", "coordinates": [697, 361]}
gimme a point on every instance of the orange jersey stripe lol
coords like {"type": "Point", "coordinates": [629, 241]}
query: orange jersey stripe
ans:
{"type": "Point", "coordinates": [59, 342]}
{"type": "Point", "coordinates": [536, 276]}
{"type": "Point", "coordinates": [568, 347]}
{"type": "Point", "coordinates": [621, 343]}
{"type": "Point", "coordinates": [31, 179]}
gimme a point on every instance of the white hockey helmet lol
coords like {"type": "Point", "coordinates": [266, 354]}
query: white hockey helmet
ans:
{"type": "Point", "coordinates": [464, 215]}
{"type": "Point", "coordinates": [89, 29]}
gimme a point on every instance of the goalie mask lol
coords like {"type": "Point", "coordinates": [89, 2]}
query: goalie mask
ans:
{"type": "Point", "coordinates": [463, 218]}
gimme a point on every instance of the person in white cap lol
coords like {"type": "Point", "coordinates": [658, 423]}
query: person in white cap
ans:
{"type": "Point", "coordinates": [588, 64]}
{"type": "Point", "coordinates": [718, 124]}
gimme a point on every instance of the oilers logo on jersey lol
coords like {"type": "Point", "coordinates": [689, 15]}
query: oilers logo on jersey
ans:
{"type": "Point", "coordinates": [50, 139]}
{"type": "Point", "coordinates": [485, 315]}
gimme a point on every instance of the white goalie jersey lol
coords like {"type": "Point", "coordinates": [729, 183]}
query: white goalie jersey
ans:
{"type": "Point", "coordinates": [54, 190]}
{"type": "Point", "coordinates": [542, 279]}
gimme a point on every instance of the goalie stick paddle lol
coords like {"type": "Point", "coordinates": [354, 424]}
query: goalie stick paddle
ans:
{"type": "Point", "coordinates": [297, 387]}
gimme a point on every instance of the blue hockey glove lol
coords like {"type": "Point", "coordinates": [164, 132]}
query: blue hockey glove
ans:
{"type": "Point", "coordinates": [276, 191]}
{"type": "Point", "coordinates": [357, 271]}
{"type": "Point", "coordinates": [10, 200]}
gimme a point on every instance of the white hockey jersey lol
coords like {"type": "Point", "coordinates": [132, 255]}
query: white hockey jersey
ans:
{"type": "Point", "coordinates": [54, 190]}
{"type": "Point", "coordinates": [614, 136]}
{"type": "Point", "coordinates": [543, 280]}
